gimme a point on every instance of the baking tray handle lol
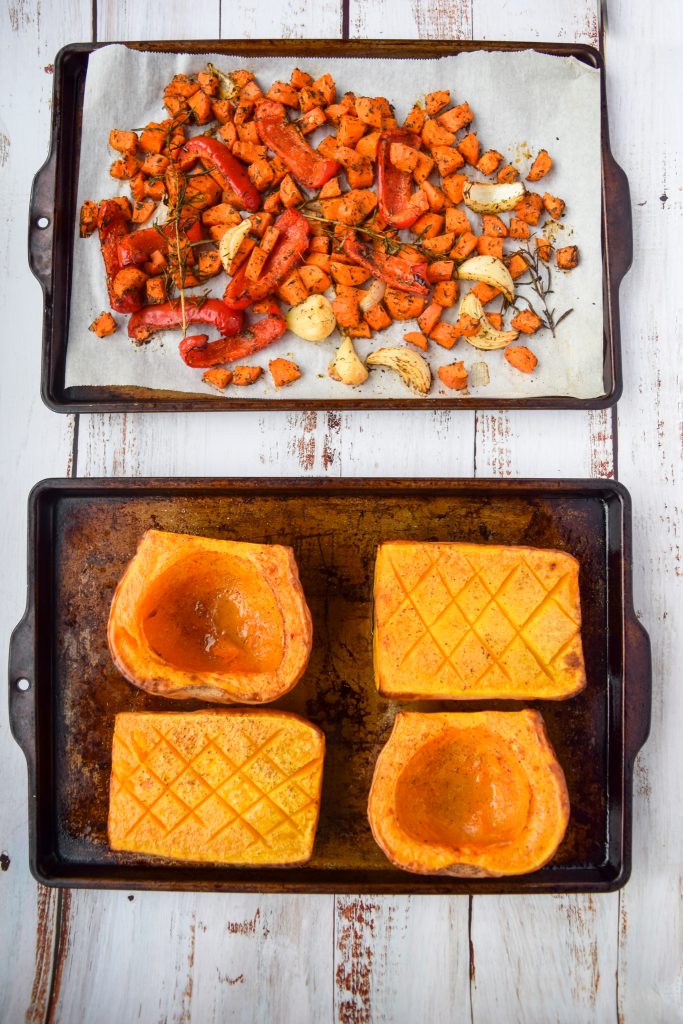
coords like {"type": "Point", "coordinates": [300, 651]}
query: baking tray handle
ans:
{"type": "Point", "coordinates": [22, 689]}
{"type": "Point", "coordinates": [41, 222]}
{"type": "Point", "coordinates": [637, 688]}
{"type": "Point", "coordinates": [618, 218]}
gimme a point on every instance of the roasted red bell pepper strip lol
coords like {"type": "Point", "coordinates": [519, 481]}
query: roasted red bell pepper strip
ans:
{"type": "Point", "coordinates": [308, 167]}
{"type": "Point", "coordinates": [137, 247]}
{"type": "Point", "coordinates": [197, 352]}
{"type": "Point", "coordinates": [287, 253]}
{"type": "Point", "coordinates": [112, 226]}
{"type": "Point", "coordinates": [406, 277]}
{"type": "Point", "coordinates": [220, 156]}
{"type": "Point", "coordinates": [170, 314]}
{"type": "Point", "coordinates": [394, 187]}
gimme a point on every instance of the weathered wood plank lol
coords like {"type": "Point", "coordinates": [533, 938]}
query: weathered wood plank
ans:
{"type": "Point", "coordinates": [242, 958]}
{"type": "Point", "coordinates": [35, 443]}
{"type": "Point", "coordinates": [540, 959]}
{"type": "Point", "coordinates": [649, 143]}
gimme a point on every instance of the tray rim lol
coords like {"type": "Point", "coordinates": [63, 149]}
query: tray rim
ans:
{"type": "Point", "coordinates": [616, 220]}
{"type": "Point", "coordinates": [634, 710]}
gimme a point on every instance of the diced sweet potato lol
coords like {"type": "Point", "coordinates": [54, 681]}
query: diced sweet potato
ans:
{"type": "Point", "coordinates": [445, 334]}
{"type": "Point", "coordinates": [567, 257]}
{"type": "Point", "coordinates": [103, 325]}
{"type": "Point", "coordinates": [293, 290]}
{"type": "Point", "coordinates": [521, 358]}
{"type": "Point", "coordinates": [428, 320]}
{"type": "Point", "coordinates": [345, 306]}
{"type": "Point", "coordinates": [485, 292]}
{"type": "Point", "coordinates": [311, 120]}
{"type": "Point", "coordinates": [415, 120]}
{"type": "Point", "coordinates": [404, 158]}
{"type": "Point", "coordinates": [416, 338]}
{"type": "Point", "coordinates": [314, 279]}
{"type": "Point", "coordinates": [245, 375]}
{"type": "Point", "coordinates": [369, 110]}
{"type": "Point", "coordinates": [439, 244]}
{"type": "Point", "coordinates": [507, 174]}
{"type": "Point", "coordinates": [543, 248]}
{"type": "Point", "coordinates": [155, 290]}
{"type": "Point", "coordinates": [469, 148]}
{"type": "Point", "coordinates": [447, 159]}
{"type": "Point", "coordinates": [261, 174]}
{"type": "Point", "coordinates": [489, 161]}
{"type": "Point", "coordinates": [453, 376]}
{"type": "Point", "coordinates": [350, 131]}
{"type": "Point", "coordinates": [527, 322]}
{"type": "Point", "coordinates": [209, 263]}
{"type": "Point", "coordinates": [289, 193]}
{"type": "Point", "coordinates": [123, 142]}
{"type": "Point", "coordinates": [540, 166]}
{"type": "Point", "coordinates": [488, 246]}
{"type": "Point", "coordinates": [200, 105]}
{"type": "Point", "coordinates": [283, 92]}
{"type": "Point", "coordinates": [87, 221]}
{"type": "Point", "coordinates": [356, 205]}
{"type": "Point", "coordinates": [457, 221]}
{"type": "Point", "coordinates": [466, 244]}
{"type": "Point", "coordinates": [518, 228]}
{"type": "Point", "coordinates": [125, 168]}
{"type": "Point", "coordinates": [377, 317]}
{"type": "Point", "coordinates": [456, 118]}
{"type": "Point", "coordinates": [423, 168]}
{"type": "Point", "coordinates": [445, 293]}
{"type": "Point", "coordinates": [218, 377]}
{"type": "Point", "coordinates": [454, 185]}
{"type": "Point", "coordinates": [440, 270]}
{"type": "Point", "coordinates": [529, 208]}
{"type": "Point", "coordinates": [553, 205]}
{"type": "Point", "coordinates": [428, 225]}
{"type": "Point", "coordinates": [493, 226]}
{"type": "Point", "coordinates": [283, 371]}
{"type": "Point", "coordinates": [517, 266]}
{"type": "Point", "coordinates": [434, 134]}
{"type": "Point", "coordinates": [348, 273]}
{"type": "Point", "coordinates": [436, 101]}
{"type": "Point", "coordinates": [402, 305]}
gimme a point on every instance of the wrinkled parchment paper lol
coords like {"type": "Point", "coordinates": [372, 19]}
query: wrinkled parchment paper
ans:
{"type": "Point", "coordinates": [522, 102]}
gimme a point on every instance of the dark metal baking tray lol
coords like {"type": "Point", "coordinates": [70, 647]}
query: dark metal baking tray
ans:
{"type": "Point", "coordinates": [54, 200]}
{"type": "Point", "coordinates": [83, 532]}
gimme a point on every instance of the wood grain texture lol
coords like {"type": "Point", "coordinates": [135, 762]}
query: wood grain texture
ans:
{"type": "Point", "coordinates": [246, 958]}
{"type": "Point", "coordinates": [576, 933]}
{"type": "Point", "coordinates": [35, 444]}
{"type": "Point", "coordinates": [401, 959]}
{"type": "Point", "coordinates": [650, 981]}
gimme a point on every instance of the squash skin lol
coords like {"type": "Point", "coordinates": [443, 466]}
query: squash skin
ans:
{"type": "Point", "coordinates": [523, 734]}
{"type": "Point", "coordinates": [274, 571]}
{"type": "Point", "coordinates": [425, 649]}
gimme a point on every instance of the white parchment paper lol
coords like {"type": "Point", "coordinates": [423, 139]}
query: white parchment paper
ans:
{"type": "Point", "coordinates": [522, 102]}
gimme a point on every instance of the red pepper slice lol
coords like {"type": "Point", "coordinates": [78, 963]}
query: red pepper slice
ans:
{"type": "Point", "coordinates": [308, 167]}
{"type": "Point", "coordinates": [286, 254]}
{"type": "Point", "coordinates": [406, 277]}
{"type": "Point", "coordinates": [394, 186]}
{"type": "Point", "coordinates": [112, 226]}
{"type": "Point", "coordinates": [197, 311]}
{"type": "Point", "coordinates": [223, 160]}
{"type": "Point", "coordinates": [137, 247]}
{"type": "Point", "coordinates": [197, 353]}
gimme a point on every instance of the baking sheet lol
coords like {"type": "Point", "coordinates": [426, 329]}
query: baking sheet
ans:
{"type": "Point", "coordinates": [522, 101]}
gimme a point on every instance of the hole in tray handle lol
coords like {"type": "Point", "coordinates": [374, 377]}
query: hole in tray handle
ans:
{"type": "Point", "coordinates": [23, 684]}
{"type": "Point", "coordinates": [42, 222]}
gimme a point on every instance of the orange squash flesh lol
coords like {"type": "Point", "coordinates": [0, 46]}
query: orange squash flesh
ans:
{"type": "Point", "coordinates": [219, 620]}
{"type": "Point", "coordinates": [473, 621]}
{"type": "Point", "coordinates": [468, 794]}
{"type": "Point", "coordinates": [230, 787]}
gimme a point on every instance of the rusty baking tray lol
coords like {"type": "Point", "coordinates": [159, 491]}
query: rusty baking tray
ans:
{"type": "Point", "coordinates": [83, 532]}
{"type": "Point", "coordinates": [53, 214]}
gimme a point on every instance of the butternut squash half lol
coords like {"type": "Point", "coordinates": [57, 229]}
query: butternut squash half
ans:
{"type": "Point", "coordinates": [470, 794]}
{"type": "Point", "coordinates": [218, 620]}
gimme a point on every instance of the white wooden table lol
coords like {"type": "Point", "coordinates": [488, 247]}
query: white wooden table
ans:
{"type": "Point", "coordinates": [111, 957]}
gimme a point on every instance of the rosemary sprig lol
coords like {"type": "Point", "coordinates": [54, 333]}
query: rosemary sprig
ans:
{"type": "Point", "coordinates": [543, 288]}
{"type": "Point", "coordinates": [391, 246]}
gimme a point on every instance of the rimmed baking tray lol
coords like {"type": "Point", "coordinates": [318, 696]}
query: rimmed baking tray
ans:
{"type": "Point", "coordinates": [53, 213]}
{"type": "Point", "coordinates": [83, 532]}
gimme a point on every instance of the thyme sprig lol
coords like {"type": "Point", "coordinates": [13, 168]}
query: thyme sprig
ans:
{"type": "Point", "coordinates": [541, 282]}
